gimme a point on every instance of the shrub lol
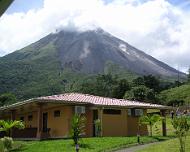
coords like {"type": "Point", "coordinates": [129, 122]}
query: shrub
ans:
{"type": "Point", "coordinates": [98, 128]}
{"type": "Point", "coordinates": [7, 143]}
{"type": "Point", "coordinates": [181, 125]}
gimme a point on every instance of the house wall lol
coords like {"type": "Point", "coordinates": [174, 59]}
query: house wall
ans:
{"type": "Point", "coordinates": [133, 126]}
{"type": "Point", "coordinates": [59, 126]}
{"type": "Point", "coordinates": [112, 124]}
{"type": "Point", "coordinates": [122, 125]}
{"type": "Point", "coordinates": [115, 125]}
{"type": "Point", "coordinates": [89, 122]}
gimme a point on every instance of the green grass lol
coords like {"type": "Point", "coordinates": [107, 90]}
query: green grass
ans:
{"type": "Point", "coordinates": [88, 144]}
{"type": "Point", "coordinates": [167, 146]}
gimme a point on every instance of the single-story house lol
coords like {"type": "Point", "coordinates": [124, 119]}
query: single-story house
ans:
{"type": "Point", "coordinates": [50, 116]}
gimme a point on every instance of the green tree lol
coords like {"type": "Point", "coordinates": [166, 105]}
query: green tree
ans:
{"type": "Point", "coordinates": [120, 88]}
{"type": "Point", "coordinates": [181, 125]}
{"type": "Point", "coordinates": [6, 126]}
{"type": "Point", "coordinates": [137, 93]}
{"type": "Point", "coordinates": [152, 82]}
{"type": "Point", "coordinates": [149, 120]}
{"type": "Point", "coordinates": [138, 81]}
{"type": "Point", "coordinates": [7, 98]}
{"type": "Point", "coordinates": [77, 128]}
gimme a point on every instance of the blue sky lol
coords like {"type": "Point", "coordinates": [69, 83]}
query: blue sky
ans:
{"type": "Point", "coordinates": [24, 5]}
{"type": "Point", "coordinates": [156, 27]}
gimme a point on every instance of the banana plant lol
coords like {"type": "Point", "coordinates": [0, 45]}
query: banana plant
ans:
{"type": "Point", "coordinates": [7, 125]}
{"type": "Point", "coordinates": [149, 120]}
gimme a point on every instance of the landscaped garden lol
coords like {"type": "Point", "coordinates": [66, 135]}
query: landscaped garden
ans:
{"type": "Point", "coordinates": [87, 144]}
{"type": "Point", "coordinates": [101, 144]}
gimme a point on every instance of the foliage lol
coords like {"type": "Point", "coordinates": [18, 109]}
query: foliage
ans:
{"type": "Point", "coordinates": [141, 93]}
{"type": "Point", "coordinates": [7, 98]}
{"type": "Point", "coordinates": [152, 82]}
{"type": "Point", "coordinates": [98, 128]}
{"type": "Point", "coordinates": [106, 85]}
{"type": "Point", "coordinates": [149, 120]}
{"type": "Point", "coordinates": [77, 128]}
{"type": "Point", "coordinates": [7, 144]}
{"type": "Point", "coordinates": [181, 125]}
{"type": "Point", "coordinates": [9, 124]}
{"type": "Point", "coordinates": [179, 94]}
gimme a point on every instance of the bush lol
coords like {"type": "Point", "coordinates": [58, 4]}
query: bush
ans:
{"type": "Point", "coordinates": [7, 144]}
{"type": "Point", "coordinates": [1, 146]}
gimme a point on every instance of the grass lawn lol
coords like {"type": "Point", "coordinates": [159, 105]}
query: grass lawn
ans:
{"type": "Point", "coordinates": [167, 146]}
{"type": "Point", "coordinates": [88, 144]}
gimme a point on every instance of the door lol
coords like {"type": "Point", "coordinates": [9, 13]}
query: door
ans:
{"type": "Point", "coordinates": [95, 117]}
{"type": "Point", "coordinates": [45, 121]}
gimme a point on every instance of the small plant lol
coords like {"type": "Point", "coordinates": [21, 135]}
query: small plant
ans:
{"type": "Point", "coordinates": [77, 129]}
{"type": "Point", "coordinates": [8, 125]}
{"type": "Point", "coordinates": [7, 144]}
{"type": "Point", "coordinates": [149, 120]}
{"type": "Point", "coordinates": [181, 125]}
{"type": "Point", "coordinates": [98, 128]}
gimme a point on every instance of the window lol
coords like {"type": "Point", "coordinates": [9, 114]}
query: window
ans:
{"type": "Point", "coordinates": [129, 111]}
{"type": "Point", "coordinates": [57, 113]}
{"type": "Point", "coordinates": [135, 112]}
{"type": "Point", "coordinates": [79, 109]}
{"type": "Point", "coordinates": [22, 118]}
{"type": "Point", "coordinates": [112, 111]}
{"type": "Point", "coordinates": [30, 117]}
{"type": "Point", "coordinates": [138, 112]}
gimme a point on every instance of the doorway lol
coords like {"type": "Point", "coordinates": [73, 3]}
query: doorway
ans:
{"type": "Point", "coordinates": [95, 117]}
{"type": "Point", "coordinates": [45, 121]}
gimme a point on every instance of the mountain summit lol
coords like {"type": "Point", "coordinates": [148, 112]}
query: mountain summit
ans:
{"type": "Point", "coordinates": [89, 51]}
{"type": "Point", "coordinates": [42, 63]}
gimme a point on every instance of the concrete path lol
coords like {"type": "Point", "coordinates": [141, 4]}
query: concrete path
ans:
{"type": "Point", "coordinates": [137, 147]}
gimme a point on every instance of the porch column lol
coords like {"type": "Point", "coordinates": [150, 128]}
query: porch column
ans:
{"type": "Point", "coordinates": [13, 117]}
{"type": "Point", "coordinates": [163, 114]}
{"type": "Point", "coordinates": [13, 114]}
{"type": "Point", "coordinates": [100, 116]}
{"type": "Point", "coordinates": [39, 120]}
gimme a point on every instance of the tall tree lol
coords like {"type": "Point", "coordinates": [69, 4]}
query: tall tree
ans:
{"type": "Point", "coordinates": [152, 82]}
{"type": "Point", "coordinates": [7, 98]}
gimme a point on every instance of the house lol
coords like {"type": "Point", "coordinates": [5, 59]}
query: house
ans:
{"type": "Point", "coordinates": [50, 116]}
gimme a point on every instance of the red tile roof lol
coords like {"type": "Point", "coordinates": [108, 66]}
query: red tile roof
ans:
{"type": "Point", "coordinates": [78, 98]}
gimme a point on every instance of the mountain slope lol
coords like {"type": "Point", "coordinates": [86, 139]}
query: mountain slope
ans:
{"type": "Point", "coordinates": [177, 94]}
{"type": "Point", "coordinates": [50, 65]}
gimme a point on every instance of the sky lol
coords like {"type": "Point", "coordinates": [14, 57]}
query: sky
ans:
{"type": "Point", "coordinates": [161, 28]}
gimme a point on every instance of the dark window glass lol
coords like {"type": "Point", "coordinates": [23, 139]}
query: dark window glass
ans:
{"type": "Point", "coordinates": [22, 118]}
{"type": "Point", "coordinates": [30, 117]}
{"type": "Point", "coordinates": [57, 113]}
{"type": "Point", "coordinates": [112, 111]}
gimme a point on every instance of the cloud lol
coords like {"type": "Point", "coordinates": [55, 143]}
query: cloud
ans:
{"type": "Point", "coordinates": [155, 26]}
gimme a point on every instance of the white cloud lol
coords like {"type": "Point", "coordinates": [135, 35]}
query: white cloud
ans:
{"type": "Point", "coordinates": [155, 26]}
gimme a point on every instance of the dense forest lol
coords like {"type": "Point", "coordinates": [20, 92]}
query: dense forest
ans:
{"type": "Point", "coordinates": [141, 88]}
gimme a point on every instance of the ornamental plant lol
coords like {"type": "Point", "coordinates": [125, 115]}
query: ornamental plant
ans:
{"type": "Point", "coordinates": [181, 124]}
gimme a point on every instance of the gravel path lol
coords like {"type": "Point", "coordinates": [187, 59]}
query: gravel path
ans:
{"type": "Point", "coordinates": [135, 148]}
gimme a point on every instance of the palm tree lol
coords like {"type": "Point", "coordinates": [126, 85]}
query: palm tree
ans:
{"type": "Point", "coordinates": [6, 126]}
{"type": "Point", "coordinates": [77, 129]}
{"type": "Point", "coordinates": [149, 120]}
